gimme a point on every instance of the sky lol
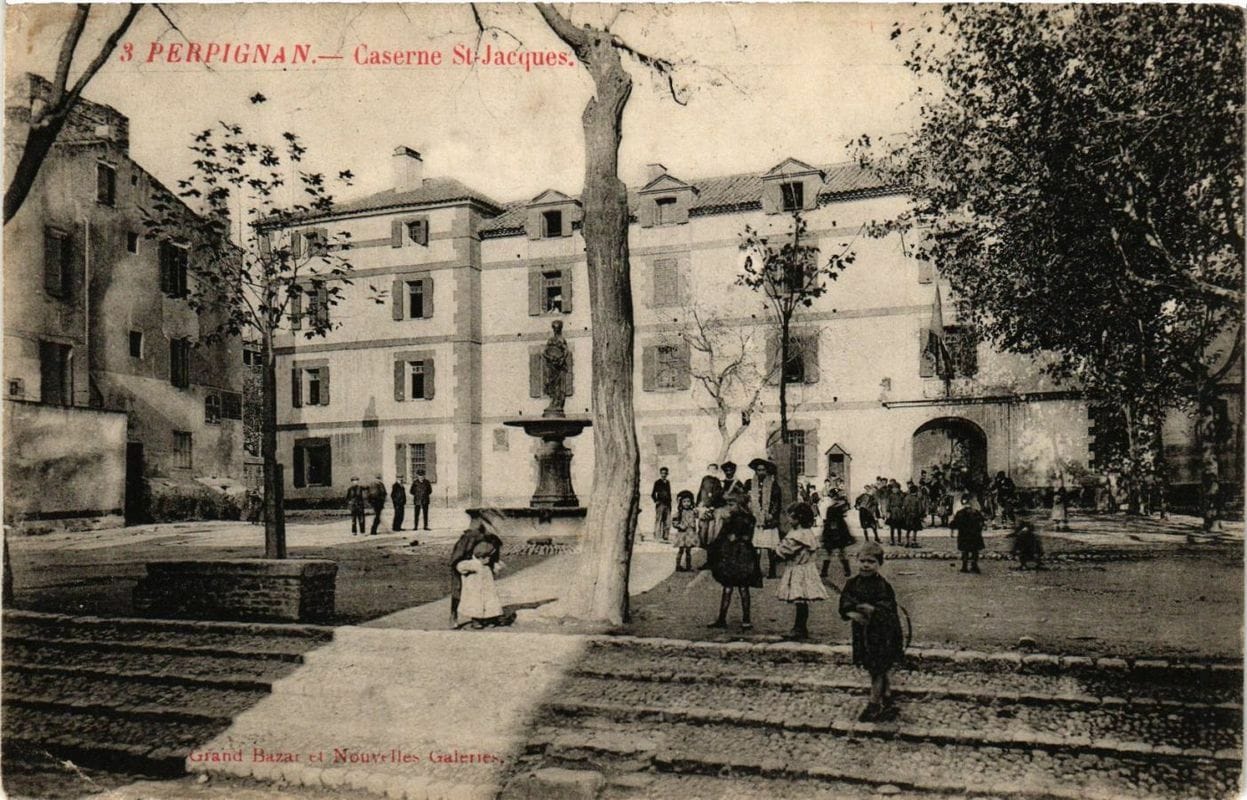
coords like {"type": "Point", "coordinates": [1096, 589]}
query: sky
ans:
{"type": "Point", "coordinates": [760, 83]}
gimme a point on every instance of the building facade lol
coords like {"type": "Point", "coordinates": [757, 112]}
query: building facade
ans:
{"type": "Point", "coordinates": [97, 321]}
{"type": "Point", "coordinates": [437, 343]}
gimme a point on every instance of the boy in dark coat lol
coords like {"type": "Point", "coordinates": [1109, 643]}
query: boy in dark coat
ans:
{"type": "Point", "coordinates": [355, 500]}
{"type": "Point", "coordinates": [1027, 547]}
{"type": "Point", "coordinates": [870, 603]}
{"type": "Point", "coordinates": [398, 496]}
{"type": "Point", "coordinates": [968, 522]}
{"type": "Point", "coordinates": [376, 498]}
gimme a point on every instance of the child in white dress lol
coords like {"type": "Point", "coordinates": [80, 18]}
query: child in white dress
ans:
{"type": "Point", "coordinates": [801, 582]}
{"type": "Point", "coordinates": [479, 602]}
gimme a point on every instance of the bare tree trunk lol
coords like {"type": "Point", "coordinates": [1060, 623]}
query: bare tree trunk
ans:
{"type": "Point", "coordinates": [599, 589]}
{"type": "Point", "coordinates": [274, 510]}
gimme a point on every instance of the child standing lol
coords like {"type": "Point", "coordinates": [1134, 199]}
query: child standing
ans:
{"type": "Point", "coordinates": [800, 583]}
{"type": "Point", "coordinates": [836, 534]}
{"type": "Point", "coordinates": [1060, 508]}
{"type": "Point", "coordinates": [968, 522]}
{"type": "Point", "coordinates": [479, 598]}
{"type": "Point", "coordinates": [1027, 547]}
{"type": "Point", "coordinates": [733, 560]}
{"type": "Point", "coordinates": [868, 600]}
{"type": "Point", "coordinates": [868, 511]}
{"type": "Point", "coordinates": [685, 524]}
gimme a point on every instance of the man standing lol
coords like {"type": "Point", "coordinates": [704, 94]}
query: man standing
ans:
{"type": "Point", "coordinates": [398, 496]}
{"type": "Point", "coordinates": [355, 501]}
{"type": "Point", "coordinates": [709, 498]}
{"type": "Point", "coordinates": [376, 499]}
{"type": "Point", "coordinates": [661, 495]}
{"type": "Point", "coordinates": [421, 494]}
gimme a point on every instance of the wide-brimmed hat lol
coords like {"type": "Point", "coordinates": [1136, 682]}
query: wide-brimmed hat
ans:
{"type": "Point", "coordinates": [728, 465]}
{"type": "Point", "coordinates": [683, 494]}
{"type": "Point", "coordinates": [753, 465]}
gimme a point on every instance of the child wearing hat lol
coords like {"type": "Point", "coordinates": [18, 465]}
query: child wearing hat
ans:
{"type": "Point", "coordinates": [1027, 547]}
{"type": "Point", "coordinates": [968, 523]}
{"type": "Point", "coordinates": [733, 561]}
{"type": "Point", "coordinates": [685, 524]}
{"type": "Point", "coordinates": [479, 600]}
{"type": "Point", "coordinates": [801, 583]}
{"type": "Point", "coordinates": [870, 603]}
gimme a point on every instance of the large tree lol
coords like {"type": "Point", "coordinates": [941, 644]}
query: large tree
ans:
{"type": "Point", "coordinates": [48, 116]}
{"type": "Point", "coordinates": [1077, 174]}
{"type": "Point", "coordinates": [251, 273]}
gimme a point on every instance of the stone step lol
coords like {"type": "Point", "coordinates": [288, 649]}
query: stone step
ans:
{"type": "Point", "coordinates": [181, 647]}
{"type": "Point", "coordinates": [262, 636]}
{"type": "Point", "coordinates": [868, 757]}
{"type": "Point", "coordinates": [200, 664]}
{"type": "Point", "coordinates": [120, 692]}
{"type": "Point", "coordinates": [227, 682]}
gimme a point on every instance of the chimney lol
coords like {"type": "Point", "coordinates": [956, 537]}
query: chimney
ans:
{"type": "Point", "coordinates": [654, 172]}
{"type": "Point", "coordinates": [408, 169]}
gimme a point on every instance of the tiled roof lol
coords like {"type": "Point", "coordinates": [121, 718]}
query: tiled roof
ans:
{"type": "Point", "coordinates": [432, 191]}
{"type": "Point", "coordinates": [729, 192]}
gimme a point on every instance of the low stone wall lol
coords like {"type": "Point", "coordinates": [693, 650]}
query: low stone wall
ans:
{"type": "Point", "coordinates": [288, 590]}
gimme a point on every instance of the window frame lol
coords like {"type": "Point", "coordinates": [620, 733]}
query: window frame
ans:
{"type": "Point", "coordinates": [312, 460]}
{"type": "Point", "coordinates": [414, 369]}
{"type": "Point", "coordinates": [668, 203]}
{"type": "Point", "coordinates": [132, 242]}
{"type": "Point", "coordinates": [174, 257]}
{"type": "Point", "coordinates": [212, 409]}
{"type": "Point", "coordinates": [136, 336]}
{"type": "Point", "coordinates": [106, 197]}
{"type": "Point", "coordinates": [62, 268]}
{"type": "Point", "coordinates": [668, 366]}
{"type": "Point", "coordinates": [179, 362]}
{"type": "Point", "coordinates": [792, 196]}
{"type": "Point", "coordinates": [414, 288]}
{"type": "Point", "coordinates": [799, 455]}
{"type": "Point", "coordinates": [312, 386]}
{"type": "Point", "coordinates": [548, 231]}
{"type": "Point", "coordinates": [553, 278]}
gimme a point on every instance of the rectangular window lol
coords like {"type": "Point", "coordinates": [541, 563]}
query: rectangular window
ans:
{"type": "Point", "coordinates": [552, 291]}
{"type": "Point", "coordinates": [417, 379]}
{"type": "Point", "coordinates": [318, 304]}
{"type": "Point", "coordinates": [317, 242]}
{"type": "Point", "coordinates": [415, 299]}
{"type": "Point", "coordinates": [105, 184]}
{"type": "Point", "coordinates": [180, 362]}
{"type": "Point", "coordinates": [182, 450]}
{"type": "Point", "coordinates": [551, 224]}
{"type": "Point", "coordinates": [212, 409]}
{"type": "Point", "coordinates": [173, 269]}
{"type": "Point", "coordinates": [231, 405]}
{"type": "Point", "coordinates": [665, 211]}
{"type": "Point", "coordinates": [794, 367]}
{"type": "Point", "coordinates": [666, 282]}
{"type": "Point", "coordinates": [962, 346]}
{"type": "Point", "coordinates": [251, 357]}
{"type": "Point", "coordinates": [313, 463]}
{"type": "Point", "coordinates": [418, 231]}
{"type": "Point", "coordinates": [132, 242]}
{"type": "Point", "coordinates": [56, 262]}
{"type": "Point", "coordinates": [56, 373]}
{"type": "Point", "coordinates": [670, 367]}
{"type": "Point", "coordinates": [418, 456]}
{"type": "Point", "coordinates": [797, 440]}
{"type": "Point", "coordinates": [136, 344]}
{"type": "Point", "coordinates": [312, 392]}
{"type": "Point", "coordinates": [794, 196]}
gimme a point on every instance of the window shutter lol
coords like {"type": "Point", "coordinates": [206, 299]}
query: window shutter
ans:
{"type": "Point", "coordinates": [571, 370]}
{"type": "Point", "coordinates": [534, 293]}
{"type": "Point", "coordinates": [567, 220]}
{"type": "Point", "coordinates": [662, 268]}
{"type": "Point", "coordinates": [322, 305]}
{"type": "Point", "coordinates": [926, 361]}
{"type": "Point", "coordinates": [569, 281]}
{"type": "Point", "coordinates": [684, 380]}
{"type": "Point", "coordinates": [649, 368]}
{"type": "Point", "coordinates": [428, 378]}
{"type": "Point", "coordinates": [400, 463]}
{"type": "Point", "coordinates": [296, 388]}
{"type": "Point", "coordinates": [428, 296]}
{"type": "Point", "coordinates": [809, 358]}
{"type": "Point", "coordinates": [533, 224]}
{"type": "Point", "coordinates": [809, 202]}
{"type": "Point", "coordinates": [536, 364]}
{"type": "Point", "coordinates": [299, 471]}
{"type": "Point", "coordinates": [926, 271]}
{"type": "Point", "coordinates": [296, 311]}
{"type": "Point", "coordinates": [647, 212]}
{"type": "Point", "coordinates": [265, 244]}
{"type": "Point", "coordinates": [324, 386]}
{"type": "Point", "coordinates": [772, 197]}
{"type": "Point", "coordinates": [422, 232]}
{"type": "Point", "coordinates": [396, 233]}
{"type": "Point", "coordinates": [296, 245]}
{"type": "Point", "coordinates": [398, 292]}
{"type": "Point", "coordinates": [430, 462]}
{"type": "Point", "coordinates": [772, 359]}
{"type": "Point", "coordinates": [400, 376]}
{"type": "Point", "coordinates": [166, 270]}
{"type": "Point", "coordinates": [812, 454]}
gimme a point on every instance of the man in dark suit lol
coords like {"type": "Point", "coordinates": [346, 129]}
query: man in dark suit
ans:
{"type": "Point", "coordinates": [398, 496]}
{"type": "Point", "coordinates": [376, 498]}
{"type": "Point", "coordinates": [709, 498]}
{"type": "Point", "coordinates": [421, 494]}
{"type": "Point", "coordinates": [661, 495]}
{"type": "Point", "coordinates": [355, 500]}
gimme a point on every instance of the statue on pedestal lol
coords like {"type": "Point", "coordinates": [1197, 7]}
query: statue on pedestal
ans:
{"type": "Point", "coordinates": [558, 365]}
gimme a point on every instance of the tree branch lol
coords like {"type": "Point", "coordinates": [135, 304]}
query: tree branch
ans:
{"type": "Point", "coordinates": [66, 57]}
{"type": "Point", "coordinates": [105, 51]}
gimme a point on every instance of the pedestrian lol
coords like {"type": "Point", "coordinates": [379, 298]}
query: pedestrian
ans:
{"type": "Point", "coordinates": [479, 601]}
{"type": "Point", "coordinates": [813, 500]}
{"type": "Point", "coordinates": [896, 513]}
{"type": "Point", "coordinates": [421, 495]}
{"type": "Point", "coordinates": [709, 500]}
{"type": "Point", "coordinates": [766, 504]}
{"type": "Point", "coordinates": [867, 506]}
{"type": "Point", "coordinates": [685, 524]}
{"type": "Point", "coordinates": [463, 550]}
{"type": "Point", "coordinates": [1060, 508]}
{"type": "Point", "coordinates": [1026, 546]}
{"type": "Point", "coordinates": [661, 495]}
{"type": "Point", "coordinates": [733, 560]}
{"type": "Point", "coordinates": [968, 522]}
{"type": "Point", "coordinates": [356, 501]}
{"type": "Point", "coordinates": [398, 496]}
{"type": "Point", "coordinates": [836, 534]}
{"type": "Point", "coordinates": [800, 583]}
{"type": "Point", "coordinates": [255, 506]}
{"type": "Point", "coordinates": [870, 603]}
{"type": "Point", "coordinates": [376, 493]}
{"type": "Point", "coordinates": [912, 513]}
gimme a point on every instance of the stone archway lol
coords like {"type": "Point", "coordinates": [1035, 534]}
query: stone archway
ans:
{"type": "Point", "coordinates": [954, 441]}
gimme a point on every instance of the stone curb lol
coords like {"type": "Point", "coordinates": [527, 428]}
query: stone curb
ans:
{"type": "Point", "coordinates": [397, 787]}
{"type": "Point", "coordinates": [1049, 662]}
{"type": "Point", "coordinates": [241, 683]}
{"type": "Point", "coordinates": [981, 696]}
{"type": "Point", "coordinates": [188, 626]}
{"type": "Point", "coordinates": [1031, 741]}
{"type": "Point", "coordinates": [153, 713]}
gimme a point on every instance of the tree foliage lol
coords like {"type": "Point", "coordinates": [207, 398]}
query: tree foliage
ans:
{"type": "Point", "coordinates": [1077, 174]}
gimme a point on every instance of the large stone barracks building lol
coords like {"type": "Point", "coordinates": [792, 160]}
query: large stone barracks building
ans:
{"type": "Point", "coordinates": [888, 382]}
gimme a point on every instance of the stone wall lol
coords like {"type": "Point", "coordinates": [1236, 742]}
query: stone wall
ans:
{"type": "Point", "coordinates": [293, 590]}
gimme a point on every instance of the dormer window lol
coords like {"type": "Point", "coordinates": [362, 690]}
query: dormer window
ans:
{"type": "Point", "coordinates": [793, 195]}
{"type": "Point", "coordinates": [665, 212]}
{"type": "Point", "coordinates": [418, 231]}
{"type": "Point", "coordinates": [551, 224]}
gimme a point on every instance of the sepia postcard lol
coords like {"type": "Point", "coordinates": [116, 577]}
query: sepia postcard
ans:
{"type": "Point", "coordinates": [573, 401]}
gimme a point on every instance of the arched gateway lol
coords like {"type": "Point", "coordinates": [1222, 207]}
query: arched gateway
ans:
{"type": "Point", "coordinates": [950, 441]}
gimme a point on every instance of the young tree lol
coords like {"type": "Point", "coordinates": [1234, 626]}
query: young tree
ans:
{"type": "Point", "coordinates": [789, 277]}
{"type": "Point", "coordinates": [725, 367]}
{"type": "Point", "coordinates": [1077, 173]}
{"type": "Point", "coordinates": [47, 118]}
{"type": "Point", "coordinates": [251, 273]}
